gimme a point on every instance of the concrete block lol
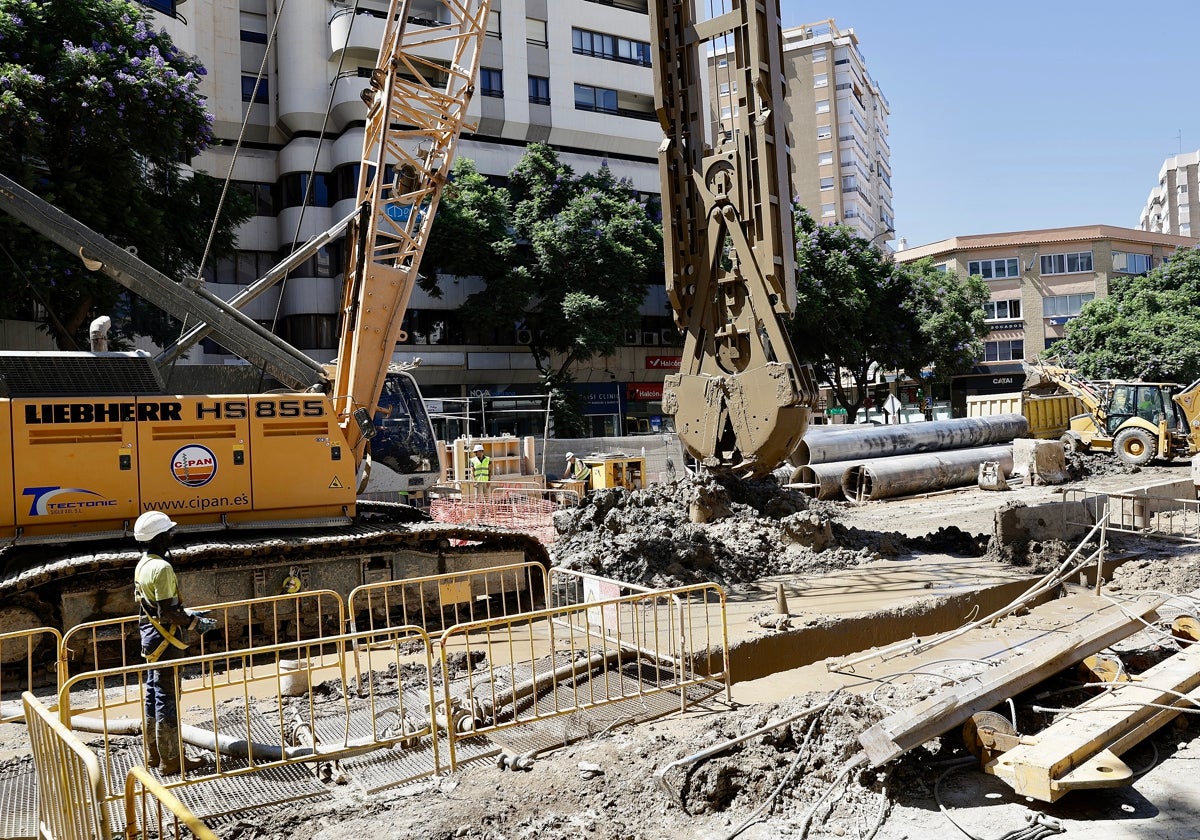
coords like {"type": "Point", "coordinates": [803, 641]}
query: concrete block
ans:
{"type": "Point", "coordinates": [1041, 461]}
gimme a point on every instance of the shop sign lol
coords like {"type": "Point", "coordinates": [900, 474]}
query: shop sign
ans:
{"type": "Point", "coordinates": [663, 362]}
{"type": "Point", "coordinates": [644, 391]}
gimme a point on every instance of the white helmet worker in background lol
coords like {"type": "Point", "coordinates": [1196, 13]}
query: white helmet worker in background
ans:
{"type": "Point", "coordinates": [162, 622]}
{"type": "Point", "coordinates": [576, 469]}
{"type": "Point", "coordinates": [481, 464]}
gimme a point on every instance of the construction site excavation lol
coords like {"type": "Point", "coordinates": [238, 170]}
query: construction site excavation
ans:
{"type": "Point", "coordinates": [1007, 655]}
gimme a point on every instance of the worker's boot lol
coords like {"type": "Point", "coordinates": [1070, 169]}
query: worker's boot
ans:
{"type": "Point", "coordinates": [152, 757]}
{"type": "Point", "coordinates": [173, 758]}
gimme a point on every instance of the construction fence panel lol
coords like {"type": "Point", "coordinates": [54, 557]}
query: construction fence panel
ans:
{"type": "Point", "coordinates": [71, 801]}
{"type": "Point", "coordinates": [153, 811]}
{"type": "Point", "coordinates": [241, 626]}
{"type": "Point", "coordinates": [526, 508]}
{"type": "Point", "coordinates": [1135, 513]}
{"type": "Point", "coordinates": [435, 602]}
{"type": "Point", "coordinates": [514, 670]}
{"type": "Point", "coordinates": [28, 660]}
{"type": "Point", "coordinates": [257, 711]}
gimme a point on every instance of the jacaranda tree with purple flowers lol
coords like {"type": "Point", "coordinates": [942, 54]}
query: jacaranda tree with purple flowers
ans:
{"type": "Point", "coordinates": [98, 109]}
{"type": "Point", "coordinates": [858, 311]}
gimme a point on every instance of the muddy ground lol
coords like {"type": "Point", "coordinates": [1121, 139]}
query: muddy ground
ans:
{"type": "Point", "coordinates": [797, 779]}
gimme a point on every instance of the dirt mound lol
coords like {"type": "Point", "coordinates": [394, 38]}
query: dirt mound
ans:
{"type": "Point", "coordinates": [1081, 465]}
{"type": "Point", "coordinates": [704, 529]}
{"type": "Point", "coordinates": [1164, 574]}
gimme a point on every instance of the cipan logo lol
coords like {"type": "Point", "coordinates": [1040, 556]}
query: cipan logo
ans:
{"type": "Point", "coordinates": [194, 465]}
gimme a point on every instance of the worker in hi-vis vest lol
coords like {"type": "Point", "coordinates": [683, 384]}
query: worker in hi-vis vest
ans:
{"type": "Point", "coordinates": [481, 464]}
{"type": "Point", "coordinates": [576, 469]}
{"type": "Point", "coordinates": [163, 627]}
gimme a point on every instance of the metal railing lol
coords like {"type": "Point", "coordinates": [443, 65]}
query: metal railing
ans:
{"type": "Point", "coordinates": [71, 802]}
{"type": "Point", "coordinates": [264, 713]}
{"type": "Point", "coordinates": [22, 654]}
{"type": "Point", "coordinates": [241, 626]}
{"type": "Point", "coordinates": [435, 602]}
{"type": "Point", "coordinates": [1135, 513]}
{"type": "Point", "coordinates": [520, 669]}
{"type": "Point", "coordinates": [162, 815]}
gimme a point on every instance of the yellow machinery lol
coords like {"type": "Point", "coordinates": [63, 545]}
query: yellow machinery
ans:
{"type": "Point", "coordinates": [616, 471]}
{"type": "Point", "coordinates": [93, 440]}
{"type": "Point", "coordinates": [1136, 420]}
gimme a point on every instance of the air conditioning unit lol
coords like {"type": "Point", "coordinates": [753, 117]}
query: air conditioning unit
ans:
{"type": "Point", "coordinates": [524, 336]}
{"type": "Point", "coordinates": [633, 338]}
{"type": "Point", "coordinates": [650, 339]}
{"type": "Point", "coordinates": [669, 337]}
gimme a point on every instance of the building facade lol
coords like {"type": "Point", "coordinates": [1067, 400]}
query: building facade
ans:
{"type": "Point", "coordinates": [1175, 199]}
{"type": "Point", "coordinates": [838, 124]}
{"type": "Point", "coordinates": [1039, 281]}
{"type": "Point", "coordinates": [575, 74]}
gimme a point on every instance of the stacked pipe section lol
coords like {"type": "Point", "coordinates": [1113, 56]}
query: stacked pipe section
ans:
{"type": "Point", "coordinates": [864, 463]}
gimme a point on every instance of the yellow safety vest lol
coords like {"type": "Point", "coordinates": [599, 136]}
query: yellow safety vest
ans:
{"type": "Point", "coordinates": [482, 468]}
{"type": "Point", "coordinates": [148, 576]}
{"type": "Point", "coordinates": [580, 472]}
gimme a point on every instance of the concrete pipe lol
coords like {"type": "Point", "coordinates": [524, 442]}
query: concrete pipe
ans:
{"type": "Point", "coordinates": [904, 475]}
{"type": "Point", "coordinates": [908, 438]}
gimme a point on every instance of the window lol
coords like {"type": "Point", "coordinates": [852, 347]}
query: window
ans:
{"type": "Point", "coordinates": [828, 210]}
{"type": "Point", "coordinates": [850, 183]}
{"type": "Point", "coordinates": [824, 132]}
{"type": "Point", "coordinates": [1002, 310]}
{"type": "Point", "coordinates": [260, 194]}
{"type": "Point", "coordinates": [818, 54]}
{"type": "Point", "coordinates": [942, 267]}
{"type": "Point", "coordinates": [589, 98]}
{"type": "Point", "coordinates": [825, 158]}
{"type": "Point", "coordinates": [1065, 306]}
{"type": "Point", "coordinates": [261, 38]}
{"type": "Point", "coordinates": [822, 106]}
{"type": "Point", "coordinates": [1067, 263]}
{"type": "Point", "coordinates": [251, 93]}
{"type": "Point", "coordinates": [600, 45]}
{"type": "Point", "coordinates": [539, 90]}
{"type": "Point", "coordinates": [820, 80]}
{"type": "Point", "coordinates": [1004, 351]}
{"type": "Point", "coordinates": [989, 269]}
{"type": "Point", "coordinates": [493, 23]}
{"type": "Point", "coordinates": [1128, 263]}
{"type": "Point", "coordinates": [535, 32]}
{"type": "Point", "coordinates": [491, 82]}
{"type": "Point", "coordinates": [827, 183]}
{"type": "Point", "coordinates": [294, 190]}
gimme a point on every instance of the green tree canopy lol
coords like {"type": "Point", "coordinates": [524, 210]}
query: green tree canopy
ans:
{"type": "Point", "coordinates": [572, 264]}
{"type": "Point", "coordinates": [97, 109]}
{"type": "Point", "coordinates": [1148, 327]}
{"type": "Point", "coordinates": [858, 309]}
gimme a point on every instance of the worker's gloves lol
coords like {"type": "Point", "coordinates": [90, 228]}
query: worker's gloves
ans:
{"type": "Point", "coordinates": [201, 623]}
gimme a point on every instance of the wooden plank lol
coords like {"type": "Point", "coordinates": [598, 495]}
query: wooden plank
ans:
{"type": "Point", "coordinates": [1062, 757]}
{"type": "Point", "coordinates": [1020, 651]}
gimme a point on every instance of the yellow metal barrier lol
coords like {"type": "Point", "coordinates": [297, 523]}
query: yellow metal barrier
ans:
{"type": "Point", "coordinates": [572, 657]}
{"type": "Point", "coordinates": [438, 601]}
{"type": "Point", "coordinates": [162, 815]}
{"type": "Point", "coordinates": [241, 625]}
{"type": "Point", "coordinates": [262, 713]}
{"type": "Point", "coordinates": [21, 655]}
{"type": "Point", "coordinates": [71, 802]}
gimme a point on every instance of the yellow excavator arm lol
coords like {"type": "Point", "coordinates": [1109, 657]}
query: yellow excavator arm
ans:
{"type": "Point", "coordinates": [416, 110]}
{"type": "Point", "coordinates": [740, 401]}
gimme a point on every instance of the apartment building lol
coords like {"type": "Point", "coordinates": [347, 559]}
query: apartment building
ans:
{"type": "Point", "coordinates": [575, 74]}
{"type": "Point", "coordinates": [838, 124]}
{"type": "Point", "coordinates": [1175, 199]}
{"type": "Point", "coordinates": [1039, 281]}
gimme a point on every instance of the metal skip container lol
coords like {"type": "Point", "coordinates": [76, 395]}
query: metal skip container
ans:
{"type": "Point", "coordinates": [820, 447]}
{"type": "Point", "coordinates": [904, 475]}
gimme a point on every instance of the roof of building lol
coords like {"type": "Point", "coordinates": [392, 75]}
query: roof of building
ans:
{"type": "Point", "coordinates": [1047, 236]}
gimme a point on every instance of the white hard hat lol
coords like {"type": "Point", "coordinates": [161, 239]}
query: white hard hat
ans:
{"type": "Point", "coordinates": [150, 524]}
{"type": "Point", "coordinates": [570, 455]}
{"type": "Point", "coordinates": [478, 447]}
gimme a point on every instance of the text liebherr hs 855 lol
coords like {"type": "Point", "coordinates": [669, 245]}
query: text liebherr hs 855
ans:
{"type": "Point", "coordinates": [94, 440]}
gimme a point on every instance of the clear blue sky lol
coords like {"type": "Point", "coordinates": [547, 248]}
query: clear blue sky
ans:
{"type": "Point", "coordinates": [1021, 115]}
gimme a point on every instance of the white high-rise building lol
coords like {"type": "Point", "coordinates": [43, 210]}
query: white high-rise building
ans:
{"type": "Point", "coordinates": [1175, 199]}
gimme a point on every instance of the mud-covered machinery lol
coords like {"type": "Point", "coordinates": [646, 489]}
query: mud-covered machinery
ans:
{"type": "Point", "coordinates": [93, 439]}
{"type": "Point", "coordinates": [1138, 421]}
{"type": "Point", "coordinates": [740, 401]}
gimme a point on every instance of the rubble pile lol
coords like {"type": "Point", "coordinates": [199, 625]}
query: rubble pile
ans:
{"type": "Point", "coordinates": [702, 529]}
